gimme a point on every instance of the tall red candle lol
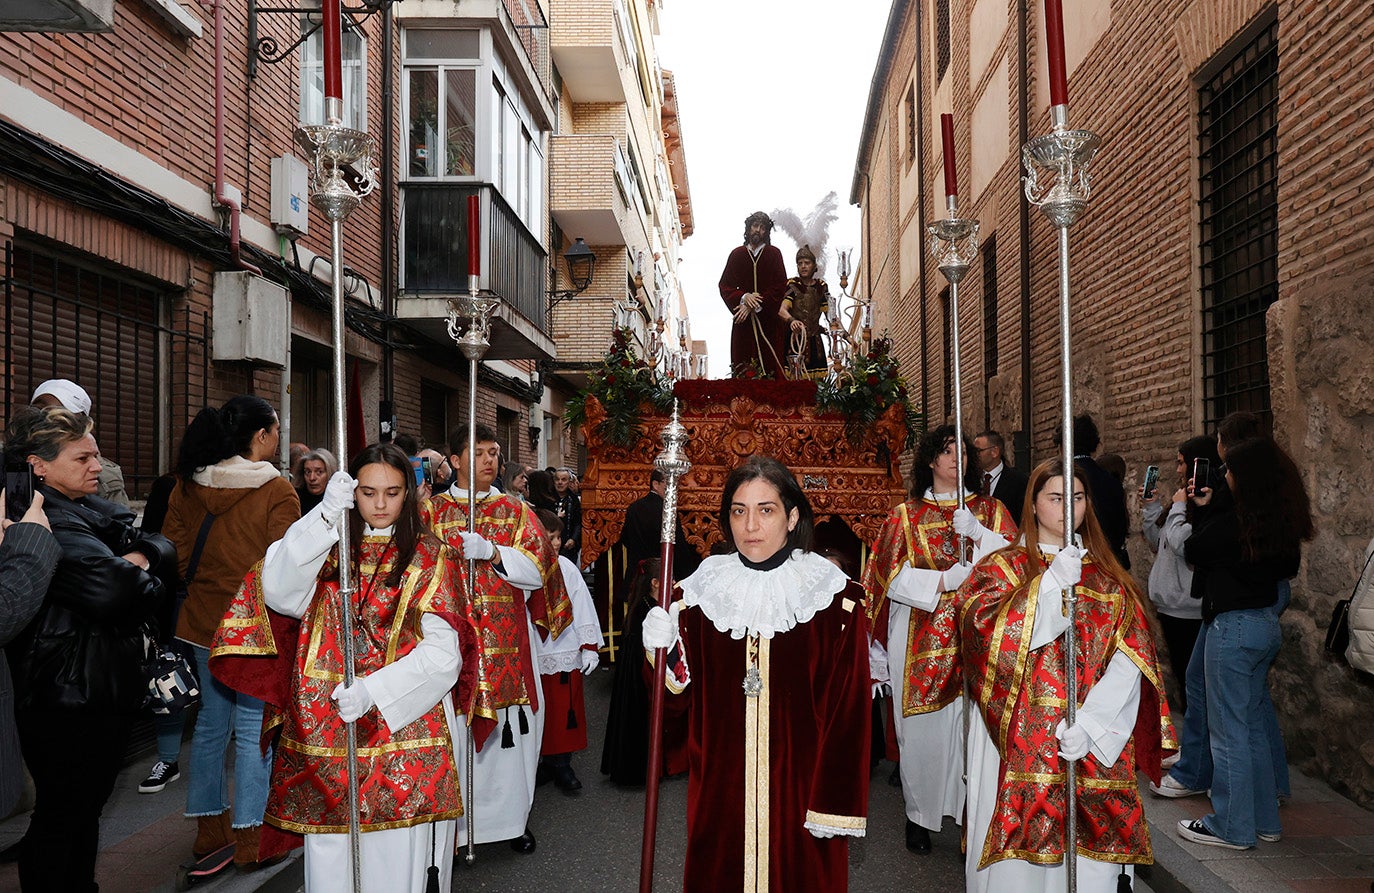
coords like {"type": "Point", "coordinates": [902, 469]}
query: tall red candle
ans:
{"type": "Point", "coordinates": [333, 55]}
{"type": "Point", "coordinates": [474, 235]}
{"type": "Point", "coordinates": [947, 138]}
{"type": "Point", "coordinates": [1054, 47]}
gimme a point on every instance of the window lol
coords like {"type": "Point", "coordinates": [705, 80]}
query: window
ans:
{"type": "Point", "coordinates": [989, 325]}
{"type": "Point", "coordinates": [1238, 186]}
{"type": "Point", "coordinates": [508, 434]}
{"type": "Point", "coordinates": [354, 60]}
{"type": "Point", "coordinates": [434, 415]}
{"type": "Point", "coordinates": [942, 39]}
{"type": "Point", "coordinates": [910, 125]}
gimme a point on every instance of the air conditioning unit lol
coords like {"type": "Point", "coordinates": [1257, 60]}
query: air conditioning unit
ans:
{"type": "Point", "coordinates": [250, 319]}
{"type": "Point", "coordinates": [290, 196]}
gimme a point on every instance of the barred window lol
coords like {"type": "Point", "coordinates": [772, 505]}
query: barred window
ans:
{"type": "Point", "coordinates": [910, 125]}
{"type": "Point", "coordinates": [1238, 162]}
{"type": "Point", "coordinates": [942, 39]}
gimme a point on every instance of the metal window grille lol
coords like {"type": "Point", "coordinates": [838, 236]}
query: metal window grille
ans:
{"type": "Point", "coordinates": [989, 324]}
{"type": "Point", "coordinates": [1238, 163]}
{"type": "Point", "coordinates": [942, 39]}
{"type": "Point", "coordinates": [64, 319]}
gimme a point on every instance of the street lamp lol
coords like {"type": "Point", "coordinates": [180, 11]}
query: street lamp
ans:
{"type": "Point", "coordinates": [581, 262]}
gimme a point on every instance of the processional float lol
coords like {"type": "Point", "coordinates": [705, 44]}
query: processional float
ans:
{"type": "Point", "coordinates": [341, 174]}
{"type": "Point", "coordinates": [1064, 156]}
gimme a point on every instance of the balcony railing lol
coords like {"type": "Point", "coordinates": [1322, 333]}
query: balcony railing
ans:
{"type": "Point", "coordinates": [434, 254]}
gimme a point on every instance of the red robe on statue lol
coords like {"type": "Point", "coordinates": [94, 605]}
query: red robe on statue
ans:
{"type": "Point", "coordinates": [767, 767]}
{"type": "Point", "coordinates": [761, 338]}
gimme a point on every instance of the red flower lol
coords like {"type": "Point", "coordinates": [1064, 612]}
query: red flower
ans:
{"type": "Point", "coordinates": [872, 380]}
{"type": "Point", "coordinates": [610, 379]}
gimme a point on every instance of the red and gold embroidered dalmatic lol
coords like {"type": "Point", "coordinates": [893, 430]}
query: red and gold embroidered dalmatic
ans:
{"type": "Point", "coordinates": [408, 775]}
{"type": "Point", "coordinates": [1021, 695]}
{"type": "Point", "coordinates": [508, 676]}
{"type": "Point", "coordinates": [920, 533]}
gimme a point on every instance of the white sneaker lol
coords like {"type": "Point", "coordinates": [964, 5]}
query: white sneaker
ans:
{"type": "Point", "coordinates": [1169, 787]}
{"type": "Point", "coordinates": [1170, 761]}
{"type": "Point", "coordinates": [1271, 838]}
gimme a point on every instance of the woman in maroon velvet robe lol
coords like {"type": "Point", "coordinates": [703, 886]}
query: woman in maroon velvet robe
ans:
{"type": "Point", "coordinates": [770, 662]}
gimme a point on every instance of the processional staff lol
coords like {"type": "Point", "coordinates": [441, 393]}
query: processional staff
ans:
{"type": "Point", "coordinates": [673, 463]}
{"type": "Point", "coordinates": [473, 340]}
{"type": "Point", "coordinates": [954, 242]}
{"type": "Point", "coordinates": [1065, 155]}
{"type": "Point", "coordinates": [332, 148]}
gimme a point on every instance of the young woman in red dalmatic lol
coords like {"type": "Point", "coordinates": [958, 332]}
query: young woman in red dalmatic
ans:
{"type": "Point", "coordinates": [770, 661]}
{"type": "Point", "coordinates": [1012, 622]}
{"type": "Point", "coordinates": [413, 638]}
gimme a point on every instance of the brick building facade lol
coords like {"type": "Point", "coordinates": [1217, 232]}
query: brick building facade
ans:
{"type": "Point", "coordinates": [1223, 263]}
{"type": "Point", "coordinates": [113, 234]}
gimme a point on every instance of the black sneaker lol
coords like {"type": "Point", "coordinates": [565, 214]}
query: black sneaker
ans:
{"type": "Point", "coordinates": [161, 775]}
{"type": "Point", "coordinates": [1194, 830]}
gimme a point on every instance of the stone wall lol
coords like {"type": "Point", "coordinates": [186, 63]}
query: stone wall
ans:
{"type": "Point", "coordinates": [1321, 339]}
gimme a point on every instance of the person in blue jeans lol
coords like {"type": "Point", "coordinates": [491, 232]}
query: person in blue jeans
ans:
{"type": "Point", "coordinates": [1240, 552]}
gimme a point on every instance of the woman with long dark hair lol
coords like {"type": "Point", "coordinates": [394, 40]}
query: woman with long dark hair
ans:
{"type": "Point", "coordinates": [231, 500]}
{"type": "Point", "coordinates": [412, 635]}
{"type": "Point", "coordinates": [1011, 626]}
{"type": "Point", "coordinates": [541, 491]}
{"type": "Point", "coordinates": [1240, 552]}
{"type": "Point", "coordinates": [774, 635]}
{"type": "Point", "coordinates": [78, 664]}
{"type": "Point", "coordinates": [910, 581]}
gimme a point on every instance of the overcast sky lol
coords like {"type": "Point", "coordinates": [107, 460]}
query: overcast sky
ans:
{"type": "Point", "coordinates": [771, 97]}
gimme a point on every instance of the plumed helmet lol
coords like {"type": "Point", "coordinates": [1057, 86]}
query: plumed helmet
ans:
{"type": "Point", "coordinates": [806, 252]}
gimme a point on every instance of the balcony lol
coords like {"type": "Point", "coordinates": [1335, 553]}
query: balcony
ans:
{"type": "Point", "coordinates": [592, 187]}
{"type": "Point", "coordinates": [434, 267]}
{"type": "Point", "coordinates": [589, 48]}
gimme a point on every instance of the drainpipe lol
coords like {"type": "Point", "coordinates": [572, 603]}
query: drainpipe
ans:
{"type": "Point", "coordinates": [222, 196]}
{"type": "Point", "coordinates": [1022, 444]}
{"type": "Point", "coordinates": [921, 209]}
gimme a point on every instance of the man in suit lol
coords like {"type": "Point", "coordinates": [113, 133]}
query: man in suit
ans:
{"type": "Point", "coordinates": [1000, 480]}
{"type": "Point", "coordinates": [1109, 499]}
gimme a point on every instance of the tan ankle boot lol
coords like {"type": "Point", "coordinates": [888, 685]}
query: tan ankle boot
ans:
{"type": "Point", "coordinates": [246, 847]}
{"type": "Point", "coordinates": [212, 832]}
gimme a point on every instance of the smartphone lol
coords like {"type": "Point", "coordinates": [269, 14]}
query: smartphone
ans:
{"type": "Point", "coordinates": [18, 492]}
{"type": "Point", "coordinates": [426, 471]}
{"type": "Point", "coordinates": [1151, 479]}
{"type": "Point", "coordinates": [1202, 475]}
{"type": "Point", "coordinates": [417, 464]}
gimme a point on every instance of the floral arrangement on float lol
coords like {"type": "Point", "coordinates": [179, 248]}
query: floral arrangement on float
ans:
{"type": "Point", "coordinates": [863, 391]}
{"type": "Point", "coordinates": [623, 384]}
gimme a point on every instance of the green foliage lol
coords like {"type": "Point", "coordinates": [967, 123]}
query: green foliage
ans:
{"type": "Point", "coordinates": [864, 391]}
{"type": "Point", "coordinates": [622, 384]}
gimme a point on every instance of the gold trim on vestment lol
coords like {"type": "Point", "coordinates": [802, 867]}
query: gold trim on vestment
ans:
{"type": "Point", "coordinates": [756, 769]}
{"type": "Point", "coordinates": [847, 822]}
{"type": "Point", "coordinates": [298, 828]}
{"type": "Point", "coordinates": [364, 752]}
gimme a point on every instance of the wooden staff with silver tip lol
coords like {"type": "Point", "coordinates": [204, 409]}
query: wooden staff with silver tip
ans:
{"type": "Point", "coordinates": [1065, 155]}
{"type": "Point", "coordinates": [674, 464]}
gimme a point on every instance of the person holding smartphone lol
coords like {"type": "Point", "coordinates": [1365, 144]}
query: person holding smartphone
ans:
{"type": "Point", "coordinates": [1166, 529]}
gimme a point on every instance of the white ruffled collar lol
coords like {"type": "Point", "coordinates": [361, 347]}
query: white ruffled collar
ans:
{"type": "Point", "coordinates": [742, 601]}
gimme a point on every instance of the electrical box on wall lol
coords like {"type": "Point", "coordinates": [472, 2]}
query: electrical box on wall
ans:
{"type": "Point", "coordinates": [250, 319]}
{"type": "Point", "coordinates": [290, 196]}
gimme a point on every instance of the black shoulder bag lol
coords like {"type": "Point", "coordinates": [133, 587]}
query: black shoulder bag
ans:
{"type": "Point", "coordinates": [172, 682]}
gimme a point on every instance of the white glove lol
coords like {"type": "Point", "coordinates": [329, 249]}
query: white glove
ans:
{"type": "Point", "coordinates": [1074, 741]}
{"type": "Point", "coordinates": [590, 661]}
{"type": "Point", "coordinates": [1067, 567]}
{"type": "Point", "coordinates": [660, 627]}
{"type": "Point", "coordinates": [477, 547]}
{"type": "Point", "coordinates": [338, 497]}
{"type": "Point", "coordinates": [954, 576]}
{"type": "Point", "coordinates": [965, 524]}
{"type": "Point", "coordinates": [878, 671]}
{"type": "Point", "coordinates": [881, 690]}
{"type": "Point", "coordinates": [354, 701]}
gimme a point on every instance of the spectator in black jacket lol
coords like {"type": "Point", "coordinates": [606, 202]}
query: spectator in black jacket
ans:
{"type": "Point", "coordinates": [79, 665]}
{"type": "Point", "coordinates": [569, 509]}
{"type": "Point", "coordinates": [1239, 554]}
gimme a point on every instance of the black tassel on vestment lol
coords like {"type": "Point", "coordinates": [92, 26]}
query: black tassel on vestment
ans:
{"type": "Point", "coordinates": [1123, 882]}
{"type": "Point", "coordinates": [507, 739]}
{"type": "Point", "coordinates": [524, 723]}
